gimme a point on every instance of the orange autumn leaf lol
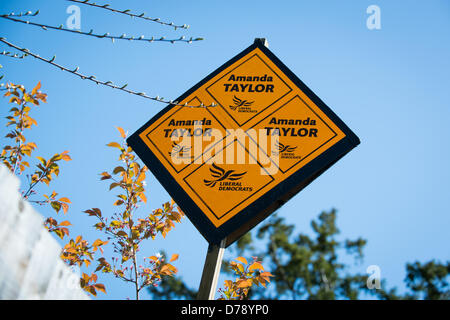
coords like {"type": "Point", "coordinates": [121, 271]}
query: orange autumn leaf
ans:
{"type": "Point", "coordinates": [64, 199]}
{"type": "Point", "coordinates": [256, 266]}
{"type": "Point", "coordinates": [122, 132]}
{"type": "Point", "coordinates": [242, 259]}
{"type": "Point", "coordinates": [114, 145]}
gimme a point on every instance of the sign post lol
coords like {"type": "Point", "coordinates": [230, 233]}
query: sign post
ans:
{"type": "Point", "coordinates": [211, 271]}
{"type": "Point", "coordinates": [262, 137]}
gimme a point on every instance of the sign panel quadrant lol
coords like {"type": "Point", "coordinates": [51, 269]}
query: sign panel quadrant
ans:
{"type": "Point", "coordinates": [263, 137]}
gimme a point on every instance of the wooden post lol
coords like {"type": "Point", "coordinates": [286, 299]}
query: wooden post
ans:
{"type": "Point", "coordinates": [211, 271]}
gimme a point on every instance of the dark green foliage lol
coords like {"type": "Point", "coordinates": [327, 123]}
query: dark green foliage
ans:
{"type": "Point", "coordinates": [307, 267]}
{"type": "Point", "coordinates": [172, 288]}
{"type": "Point", "coordinates": [311, 267]}
{"type": "Point", "coordinates": [429, 280]}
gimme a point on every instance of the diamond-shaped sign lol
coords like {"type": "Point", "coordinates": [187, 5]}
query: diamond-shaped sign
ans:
{"type": "Point", "coordinates": [263, 137]}
{"type": "Point", "coordinates": [253, 79]}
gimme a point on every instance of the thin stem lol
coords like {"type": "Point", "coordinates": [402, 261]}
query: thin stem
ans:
{"type": "Point", "coordinates": [20, 140]}
{"type": "Point", "coordinates": [32, 185]}
{"type": "Point", "coordinates": [129, 210]}
{"type": "Point", "coordinates": [136, 275]}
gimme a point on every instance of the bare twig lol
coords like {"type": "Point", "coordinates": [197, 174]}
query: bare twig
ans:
{"type": "Point", "coordinates": [105, 35]}
{"type": "Point", "coordinates": [128, 13]}
{"type": "Point", "coordinates": [28, 13]}
{"type": "Point", "coordinates": [95, 80]}
{"type": "Point", "coordinates": [11, 55]}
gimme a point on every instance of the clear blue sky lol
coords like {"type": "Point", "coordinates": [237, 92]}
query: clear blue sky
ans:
{"type": "Point", "coordinates": [391, 86]}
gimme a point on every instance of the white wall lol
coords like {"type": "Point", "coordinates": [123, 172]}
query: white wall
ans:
{"type": "Point", "coordinates": [30, 267]}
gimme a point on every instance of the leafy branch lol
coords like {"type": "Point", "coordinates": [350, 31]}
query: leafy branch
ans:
{"type": "Point", "coordinates": [126, 231]}
{"type": "Point", "coordinates": [14, 157]}
{"type": "Point", "coordinates": [128, 13]}
{"type": "Point", "coordinates": [248, 274]}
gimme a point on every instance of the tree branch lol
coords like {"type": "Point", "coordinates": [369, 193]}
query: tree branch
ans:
{"type": "Point", "coordinates": [11, 55]}
{"type": "Point", "coordinates": [106, 35]}
{"type": "Point", "coordinates": [28, 13]}
{"type": "Point", "coordinates": [104, 83]}
{"type": "Point", "coordinates": [128, 13]}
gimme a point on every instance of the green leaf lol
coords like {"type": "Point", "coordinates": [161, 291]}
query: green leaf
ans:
{"type": "Point", "coordinates": [56, 206]}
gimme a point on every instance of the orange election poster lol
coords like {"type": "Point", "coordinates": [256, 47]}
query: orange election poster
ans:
{"type": "Point", "coordinates": [240, 143]}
